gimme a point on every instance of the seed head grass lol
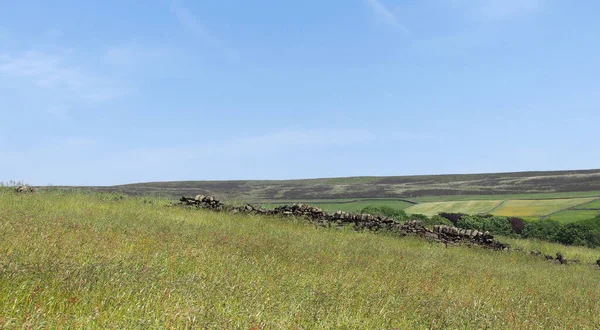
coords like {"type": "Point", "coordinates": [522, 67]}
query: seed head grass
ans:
{"type": "Point", "coordinates": [72, 260]}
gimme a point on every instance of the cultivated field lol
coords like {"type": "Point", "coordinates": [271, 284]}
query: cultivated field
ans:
{"type": "Point", "coordinates": [468, 207]}
{"type": "Point", "coordinates": [595, 205]}
{"type": "Point", "coordinates": [574, 215]}
{"type": "Point", "coordinates": [560, 209]}
{"type": "Point", "coordinates": [563, 209]}
{"type": "Point", "coordinates": [537, 208]}
{"type": "Point", "coordinates": [95, 261]}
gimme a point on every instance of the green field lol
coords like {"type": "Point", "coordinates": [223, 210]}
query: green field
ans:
{"type": "Point", "coordinates": [88, 261]}
{"type": "Point", "coordinates": [534, 208]}
{"type": "Point", "coordinates": [560, 209]}
{"type": "Point", "coordinates": [468, 207]}
{"type": "Point", "coordinates": [595, 205]}
{"type": "Point", "coordinates": [554, 195]}
{"type": "Point", "coordinates": [568, 216]}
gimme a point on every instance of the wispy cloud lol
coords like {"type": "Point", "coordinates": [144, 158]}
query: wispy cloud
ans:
{"type": "Point", "coordinates": [386, 16]}
{"type": "Point", "coordinates": [500, 9]}
{"type": "Point", "coordinates": [190, 21]}
{"type": "Point", "coordinates": [51, 72]}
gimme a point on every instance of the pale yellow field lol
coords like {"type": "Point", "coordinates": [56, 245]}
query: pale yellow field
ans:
{"type": "Point", "coordinates": [468, 207]}
{"type": "Point", "coordinates": [525, 208]}
{"type": "Point", "coordinates": [520, 208]}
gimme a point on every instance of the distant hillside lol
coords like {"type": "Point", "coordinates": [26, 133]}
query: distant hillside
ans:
{"type": "Point", "coordinates": [376, 187]}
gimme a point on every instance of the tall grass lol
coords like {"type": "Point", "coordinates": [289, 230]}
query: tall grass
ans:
{"type": "Point", "coordinates": [76, 260]}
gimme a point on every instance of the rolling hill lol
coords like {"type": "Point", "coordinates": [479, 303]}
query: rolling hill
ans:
{"type": "Point", "coordinates": [455, 186]}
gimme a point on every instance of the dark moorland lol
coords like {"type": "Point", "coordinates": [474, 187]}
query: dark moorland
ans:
{"type": "Point", "coordinates": [409, 187]}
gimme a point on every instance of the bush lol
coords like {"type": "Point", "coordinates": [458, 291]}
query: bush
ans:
{"type": "Point", "coordinates": [439, 220]}
{"type": "Point", "coordinates": [499, 226]}
{"type": "Point", "coordinates": [454, 218]}
{"type": "Point", "coordinates": [386, 211]}
{"type": "Point", "coordinates": [572, 234]}
{"type": "Point", "coordinates": [420, 217]}
{"type": "Point", "coordinates": [585, 233]}
{"type": "Point", "coordinates": [546, 229]}
{"type": "Point", "coordinates": [517, 224]}
{"type": "Point", "coordinates": [476, 222]}
{"type": "Point", "coordinates": [486, 222]}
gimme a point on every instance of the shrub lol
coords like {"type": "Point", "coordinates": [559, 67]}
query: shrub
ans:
{"type": "Point", "coordinates": [573, 234]}
{"type": "Point", "coordinates": [476, 222]}
{"type": "Point", "coordinates": [386, 211]}
{"type": "Point", "coordinates": [499, 226]}
{"type": "Point", "coordinates": [439, 220]}
{"type": "Point", "coordinates": [485, 222]}
{"type": "Point", "coordinates": [546, 229]}
{"type": "Point", "coordinates": [517, 224]}
{"type": "Point", "coordinates": [454, 218]}
{"type": "Point", "coordinates": [420, 217]}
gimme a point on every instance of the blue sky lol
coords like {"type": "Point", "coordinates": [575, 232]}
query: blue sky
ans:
{"type": "Point", "coordinates": [111, 92]}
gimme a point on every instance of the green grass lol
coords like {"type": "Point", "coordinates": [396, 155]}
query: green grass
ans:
{"type": "Point", "coordinates": [595, 205]}
{"type": "Point", "coordinates": [527, 208]}
{"type": "Point", "coordinates": [532, 208]}
{"type": "Point", "coordinates": [554, 195]}
{"type": "Point", "coordinates": [583, 254]}
{"type": "Point", "coordinates": [568, 216]}
{"type": "Point", "coordinates": [88, 261]}
{"type": "Point", "coordinates": [468, 207]}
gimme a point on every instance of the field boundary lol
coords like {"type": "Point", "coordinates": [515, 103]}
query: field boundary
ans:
{"type": "Point", "coordinates": [594, 209]}
{"type": "Point", "coordinates": [497, 206]}
{"type": "Point", "coordinates": [574, 208]}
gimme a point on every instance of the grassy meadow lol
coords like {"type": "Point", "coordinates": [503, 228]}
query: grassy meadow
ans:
{"type": "Point", "coordinates": [569, 216]}
{"type": "Point", "coordinates": [594, 205]}
{"type": "Point", "coordinates": [468, 207]}
{"type": "Point", "coordinates": [71, 260]}
{"type": "Point", "coordinates": [559, 207]}
{"type": "Point", "coordinates": [530, 208]}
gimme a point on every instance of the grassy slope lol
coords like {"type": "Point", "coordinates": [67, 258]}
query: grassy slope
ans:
{"type": "Point", "coordinates": [81, 261]}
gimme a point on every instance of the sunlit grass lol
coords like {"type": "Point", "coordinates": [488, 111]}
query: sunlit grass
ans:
{"type": "Point", "coordinates": [524, 208]}
{"type": "Point", "coordinates": [595, 205]}
{"type": "Point", "coordinates": [568, 216]}
{"type": "Point", "coordinates": [97, 261]}
{"type": "Point", "coordinates": [468, 207]}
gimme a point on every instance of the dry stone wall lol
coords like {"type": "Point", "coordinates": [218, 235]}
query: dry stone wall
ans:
{"type": "Point", "coordinates": [25, 189]}
{"type": "Point", "coordinates": [443, 234]}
